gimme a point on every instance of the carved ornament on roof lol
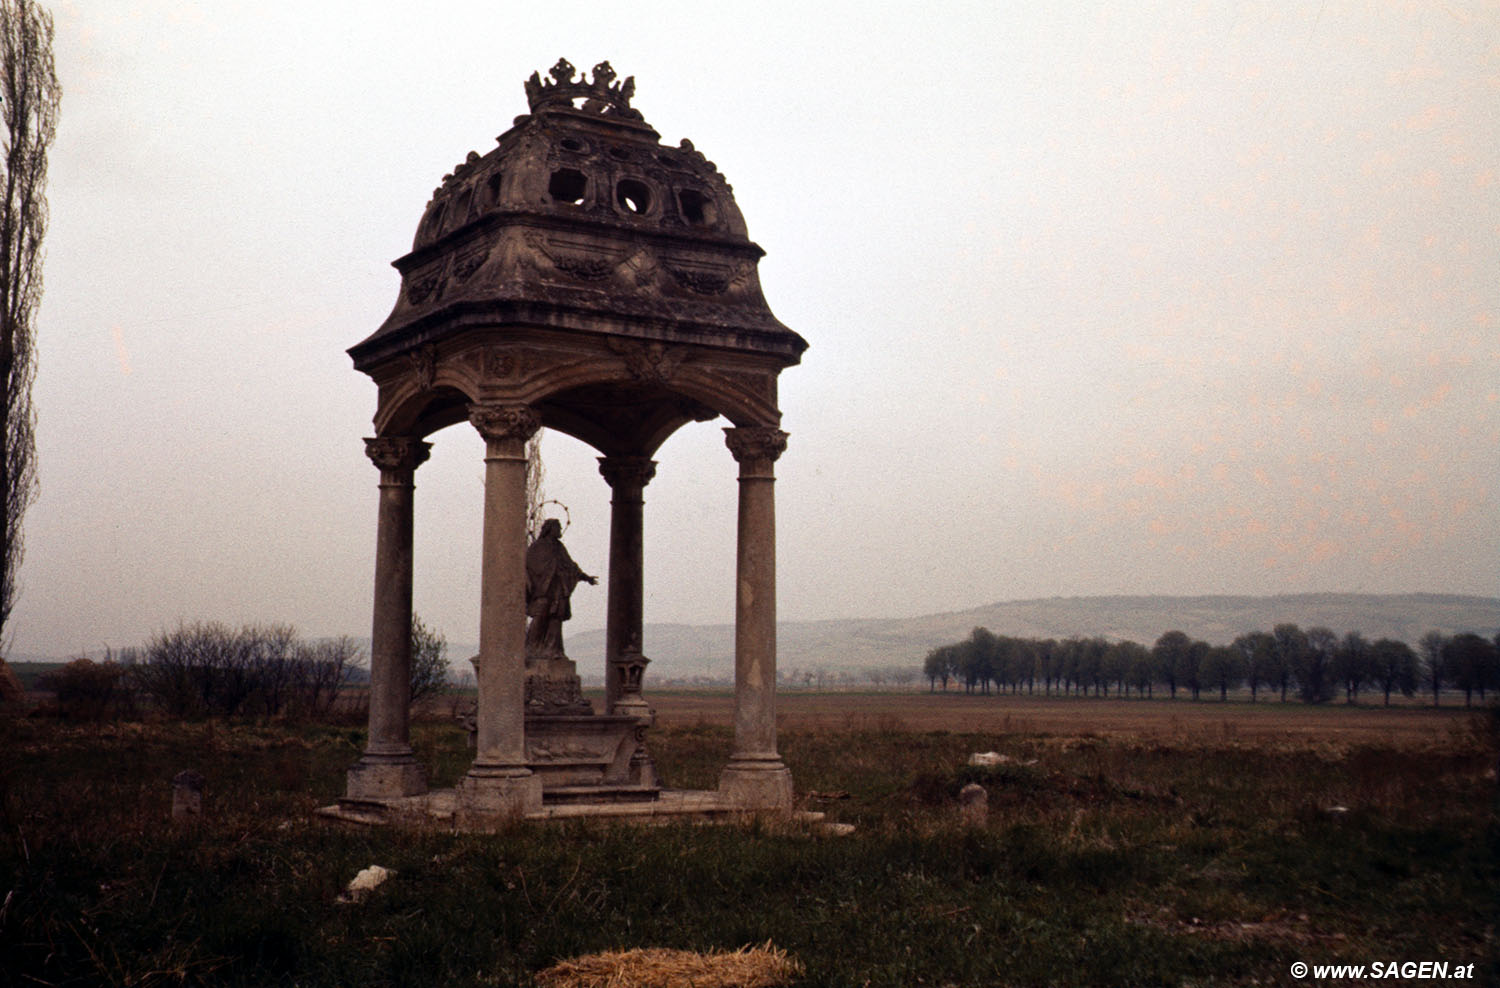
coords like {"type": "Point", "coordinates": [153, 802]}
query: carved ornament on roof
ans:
{"type": "Point", "coordinates": [603, 95]}
{"type": "Point", "coordinates": [499, 362]}
{"type": "Point", "coordinates": [582, 258]}
{"type": "Point", "coordinates": [467, 262]}
{"type": "Point", "coordinates": [427, 283]}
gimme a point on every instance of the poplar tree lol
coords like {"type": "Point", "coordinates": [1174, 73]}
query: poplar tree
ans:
{"type": "Point", "coordinates": [30, 94]}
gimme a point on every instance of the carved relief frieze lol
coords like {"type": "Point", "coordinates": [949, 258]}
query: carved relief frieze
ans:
{"type": "Point", "coordinates": [759, 386]}
{"type": "Point", "coordinates": [572, 751]}
{"type": "Point", "coordinates": [651, 363]}
{"type": "Point", "coordinates": [500, 363]}
{"type": "Point", "coordinates": [708, 275]}
{"type": "Point", "coordinates": [427, 282]}
{"type": "Point", "coordinates": [642, 268]}
{"type": "Point", "coordinates": [578, 257]}
{"type": "Point", "coordinates": [555, 695]}
{"type": "Point", "coordinates": [466, 262]}
{"type": "Point", "coordinates": [424, 366]}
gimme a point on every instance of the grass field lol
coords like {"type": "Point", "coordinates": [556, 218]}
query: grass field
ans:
{"type": "Point", "coordinates": [1129, 842]}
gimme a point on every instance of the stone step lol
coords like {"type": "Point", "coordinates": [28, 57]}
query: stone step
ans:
{"type": "Point", "coordinates": [567, 795]}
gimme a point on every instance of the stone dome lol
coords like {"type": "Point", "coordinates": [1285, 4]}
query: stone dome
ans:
{"type": "Point", "coordinates": [581, 214]}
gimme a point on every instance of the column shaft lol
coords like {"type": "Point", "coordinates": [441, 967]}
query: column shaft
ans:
{"type": "Point", "coordinates": [755, 621]}
{"type": "Point", "coordinates": [498, 783]}
{"type": "Point", "coordinates": [388, 768]}
{"type": "Point", "coordinates": [627, 477]}
{"type": "Point", "coordinates": [756, 777]}
{"type": "Point", "coordinates": [502, 608]}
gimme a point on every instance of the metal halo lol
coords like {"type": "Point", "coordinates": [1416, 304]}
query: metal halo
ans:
{"type": "Point", "coordinates": [567, 518]}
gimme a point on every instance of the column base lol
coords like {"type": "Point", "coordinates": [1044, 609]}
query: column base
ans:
{"type": "Point", "coordinates": [377, 778]}
{"type": "Point", "coordinates": [491, 796]}
{"type": "Point", "coordinates": [761, 785]}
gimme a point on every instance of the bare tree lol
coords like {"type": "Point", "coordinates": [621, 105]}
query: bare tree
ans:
{"type": "Point", "coordinates": [28, 86]}
{"type": "Point", "coordinates": [536, 494]}
{"type": "Point", "coordinates": [429, 660]}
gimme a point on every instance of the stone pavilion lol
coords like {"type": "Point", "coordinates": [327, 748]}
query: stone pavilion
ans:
{"type": "Point", "coordinates": [581, 276]}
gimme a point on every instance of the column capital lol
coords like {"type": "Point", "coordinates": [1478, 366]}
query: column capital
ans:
{"type": "Point", "coordinates": [755, 445]}
{"type": "Point", "coordinates": [397, 454]}
{"type": "Point", "coordinates": [497, 422]}
{"type": "Point", "coordinates": [632, 471]}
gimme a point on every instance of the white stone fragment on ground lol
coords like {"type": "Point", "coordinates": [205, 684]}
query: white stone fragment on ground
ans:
{"type": "Point", "coordinates": [365, 882]}
{"type": "Point", "coordinates": [838, 829]}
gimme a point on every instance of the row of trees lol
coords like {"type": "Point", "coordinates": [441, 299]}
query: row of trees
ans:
{"type": "Point", "coordinates": [210, 669]}
{"type": "Point", "coordinates": [1316, 664]}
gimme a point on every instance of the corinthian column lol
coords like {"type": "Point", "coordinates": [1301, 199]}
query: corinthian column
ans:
{"type": "Point", "coordinates": [756, 778]}
{"type": "Point", "coordinates": [627, 477]}
{"type": "Point", "coordinates": [388, 769]}
{"type": "Point", "coordinates": [498, 783]}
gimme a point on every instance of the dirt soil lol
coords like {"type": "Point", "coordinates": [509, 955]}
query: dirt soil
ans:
{"type": "Point", "coordinates": [1404, 724]}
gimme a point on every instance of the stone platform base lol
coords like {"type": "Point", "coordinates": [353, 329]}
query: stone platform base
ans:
{"type": "Point", "coordinates": [441, 810]}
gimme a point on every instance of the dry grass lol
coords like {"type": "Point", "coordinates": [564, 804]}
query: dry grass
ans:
{"type": "Point", "coordinates": [748, 967]}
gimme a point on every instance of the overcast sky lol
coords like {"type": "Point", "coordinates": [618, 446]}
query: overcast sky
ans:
{"type": "Point", "coordinates": [1175, 298]}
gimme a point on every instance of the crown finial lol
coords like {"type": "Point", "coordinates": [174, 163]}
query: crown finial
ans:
{"type": "Point", "coordinates": [601, 95]}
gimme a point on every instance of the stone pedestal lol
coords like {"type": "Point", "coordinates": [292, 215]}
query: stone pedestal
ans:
{"type": "Point", "coordinates": [377, 778]}
{"type": "Point", "coordinates": [591, 750]}
{"type": "Point", "coordinates": [487, 798]}
{"type": "Point", "coordinates": [759, 785]}
{"type": "Point", "coordinates": [553, 687]}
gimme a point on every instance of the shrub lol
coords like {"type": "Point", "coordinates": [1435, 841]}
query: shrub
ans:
{"type": "Point", "coordinates": [88, 690]}
{"type": "Point", "coordinates": [208, 669]}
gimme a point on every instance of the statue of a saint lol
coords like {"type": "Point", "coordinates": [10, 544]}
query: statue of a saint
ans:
{"type": "Point", "coordinates": [551, 576]}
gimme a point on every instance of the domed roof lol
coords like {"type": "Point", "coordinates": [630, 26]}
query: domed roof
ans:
{"type": "Point", "coordinates": [581, 218]}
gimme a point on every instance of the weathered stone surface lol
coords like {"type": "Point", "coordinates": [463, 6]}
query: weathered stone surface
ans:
{"type": "Point", "coordinates": [373, 779]}
{"type": "Point", "coordinates": [187, 795]}
{"type": "Point", "coordinates": [974, 804]}
{"type": "Point", "coordinates": [584, 277]}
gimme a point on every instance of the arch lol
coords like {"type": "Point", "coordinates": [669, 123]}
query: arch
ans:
{"type": "Point", "coordinates": [411, 411]}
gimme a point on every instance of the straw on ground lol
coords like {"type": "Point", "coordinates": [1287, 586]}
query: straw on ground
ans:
{"type": "Point", "coordinates": [748, 967]}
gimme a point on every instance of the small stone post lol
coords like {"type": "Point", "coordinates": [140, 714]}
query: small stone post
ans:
{"type": "Point", "coordinates": [974, 804]}
{"type": "Point", "coordinates": [187, 796]}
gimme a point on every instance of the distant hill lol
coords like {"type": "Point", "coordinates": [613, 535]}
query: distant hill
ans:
{"type": "Point", "coordinates": [679, 650]}
{"type": "Point", "coordinates": [685, 651]}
